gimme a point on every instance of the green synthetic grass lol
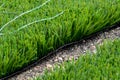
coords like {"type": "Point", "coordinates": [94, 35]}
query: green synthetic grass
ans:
{"type": "Point", "coordinates": [104, 65]}
{"type": "Point", "coordinates": [29, 31]}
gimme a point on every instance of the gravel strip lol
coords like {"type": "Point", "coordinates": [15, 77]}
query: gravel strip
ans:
{"type": "Point", "coordinates": [72, 52]}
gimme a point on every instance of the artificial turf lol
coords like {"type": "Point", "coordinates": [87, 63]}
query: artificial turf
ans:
{"type": "Point", "coordinates": [30, 29]}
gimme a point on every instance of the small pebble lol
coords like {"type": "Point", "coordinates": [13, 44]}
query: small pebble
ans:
{"type": "Point", "coordinates": [59, 58]}
{"type": "Point", "coordinates": [93, 49]}
{"type": "Point", "coordinates": [99, 41]}
{"type": "Point", "coordinates": [49, 66]}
